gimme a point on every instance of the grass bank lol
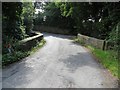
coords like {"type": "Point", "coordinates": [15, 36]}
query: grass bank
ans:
{"type": "Point", "coordinates": [107, 58]}
{"type": "Point", "coordinates": [18, 55]}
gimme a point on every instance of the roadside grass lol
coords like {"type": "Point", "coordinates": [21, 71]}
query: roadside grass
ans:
{"type": "Point", "coordinates": [107, 58]}
{"type": "Point", "coordinates": [38, 46]}
{"type": "Point", "coordinates": [18, 55]}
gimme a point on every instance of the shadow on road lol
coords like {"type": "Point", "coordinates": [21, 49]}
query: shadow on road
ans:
{"type": "Point", "coordinates": [57, 35]}
{"type": "Point", "coordinates": [73, 62]}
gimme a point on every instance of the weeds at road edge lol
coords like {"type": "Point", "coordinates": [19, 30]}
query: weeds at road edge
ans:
{"type": "Point", "coordinates": [18, 55]}
{"type": "Point", "coordinates": [107, 58]}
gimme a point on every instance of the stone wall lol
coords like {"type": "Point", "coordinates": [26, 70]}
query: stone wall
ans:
{"type": "Point", "coordinates": [51, 30]}
{"type": "Point", "coordinates": [101, 44]}
{"type": "Point", "coordinates": [28, 43]}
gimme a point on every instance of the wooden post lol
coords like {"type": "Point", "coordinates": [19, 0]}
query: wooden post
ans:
{"type": "Point", "coordinates": [104, 45]}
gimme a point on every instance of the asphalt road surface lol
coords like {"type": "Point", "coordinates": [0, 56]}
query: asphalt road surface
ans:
{"type": "Point", "coordinates": [59, 64]}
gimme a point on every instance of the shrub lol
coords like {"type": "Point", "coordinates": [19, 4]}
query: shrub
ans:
{"type": "Point", "coordinates": [10, 58]}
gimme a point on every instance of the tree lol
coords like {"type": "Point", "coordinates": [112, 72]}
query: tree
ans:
{"type": "Point", "coordinates": [12, 26]}
{"type": "Point", "coordinates": [54, 17]}
{"type": "Point", "coordinates": [89, 18]}
{"type": "Point", "coordinates": [101, 16]}
{"type": "Point", "coordinates": [28, 16]}
{"type": "Point", "coordinates": [11, 20]}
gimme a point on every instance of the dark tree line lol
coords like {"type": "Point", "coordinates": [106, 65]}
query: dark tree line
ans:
{"type": "Point", "coordinates": [96, 19]}
{"type": "Point", "coordinates": [17, 22]}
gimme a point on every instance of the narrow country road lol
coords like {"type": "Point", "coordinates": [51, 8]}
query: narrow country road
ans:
{"type": "Point", "coordinates": [59, 64]}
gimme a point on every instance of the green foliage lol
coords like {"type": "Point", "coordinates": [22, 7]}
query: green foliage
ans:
{"type": "Point", "coordinates": [39, 20]}
{"type": "Point", "coordinates": [17, 21]}
{"type": "Point", "coordinates": [107, 59]}
{"type": "Point", "coordinates": [78, 40]}
{"type": "Point", "coordinates": [11, 20]}
{"type": "Point", "coordinates": [89, 18]}
{"type": "Point", "coordinates": [28, 16]}
{"type": "Point", "coordinates": [114, 37]}
{"type": "Point", "coordinates": [92, 19]}
{"type": "Point", "coordinates": [18, 55]}
{"type": "Point", "coordinates": [12, 26]}
{"type": "Point", "coordinates": [10, 58]}
{"type": "Point", "coordinates": [53, 17]}
{"type": "Point", "coordinates": [39, 45]}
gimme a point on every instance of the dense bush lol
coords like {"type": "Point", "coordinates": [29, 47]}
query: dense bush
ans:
{"type": "Point", "coordinates": [11, 20]}
{"type": "Point", "coordinates": [52, 17]}
{"type": "Point", "coordinates": [18, 55]}
{"type": "Point", "coordinates": [114, 37]}
{"type": "Point", "coordinates": [89, 18]}
{"type": "Point", "coordinates": [28, 16]}
{"type": "Point", "coordinates": [17, 22]}
{"type": "Point", "coordinates": [10, 58]}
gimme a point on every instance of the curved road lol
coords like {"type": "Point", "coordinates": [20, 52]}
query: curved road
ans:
{"type": "Point", "coordinates": [59, 64]}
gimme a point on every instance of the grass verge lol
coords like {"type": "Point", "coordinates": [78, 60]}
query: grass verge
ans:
{"type": "Point", "coordinates": [107, 58]}
{"type": "Point", "coordinates": [18, 55]}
